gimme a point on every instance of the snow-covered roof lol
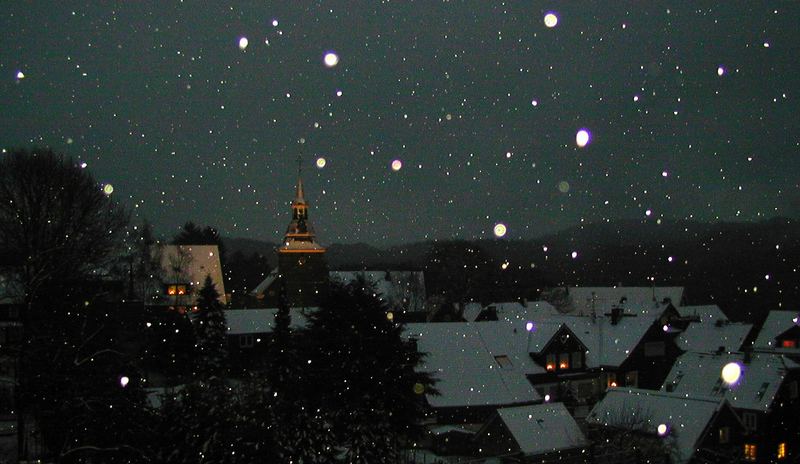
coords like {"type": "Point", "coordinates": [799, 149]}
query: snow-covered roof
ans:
{"type": "Point", "coordinates": [709, 337]}
{"type": "Point", "coordinates": [474, 365]}
{"type": "Point", "coordinates": [542, 428]}
{"type": "Point", "coordinates": [399, 289]}
{"type": "Point", "coordinates": [704, 313]}
{"type": "Point", "coordinates": [641, 300]}
{"type": "Point", "coordinates": [253, 321]}
{"type": "Point", "coordinates": [262, 287]}
{"type": "Point", "coordinates": [608, 344]}
{"type": "Point", "coordinates": [471, 311]}
{"type": "Point", "coordinates": [686, 417]}
{"type": "Point", "coordinates": [777, 322]}
{"type": "Point", "coordinates": [700, 374]}
{"type": "Point", "coordinates": [191, 264]}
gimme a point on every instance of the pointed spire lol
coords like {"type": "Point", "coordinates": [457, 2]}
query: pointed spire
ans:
{"type": "Point", "coordinates": [299, 197]}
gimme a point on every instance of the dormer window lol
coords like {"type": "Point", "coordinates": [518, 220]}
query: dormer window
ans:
{"type": "Point", "coordinates": [563, 361]}
{"type": "Point", "coordinates": [551, 363]}
{"type": "Point", "coordinates": [176, 289]}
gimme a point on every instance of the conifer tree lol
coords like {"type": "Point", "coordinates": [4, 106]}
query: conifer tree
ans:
{"type": "Point", "coordinates": [210, 334]}
{"type": "Point", "coordinates": [303, 435]}
{"type": "Point", "coordinates": [362, 373]}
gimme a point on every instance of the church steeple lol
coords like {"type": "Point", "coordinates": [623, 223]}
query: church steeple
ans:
{"type": "Point", "coordinates": [300, 236]}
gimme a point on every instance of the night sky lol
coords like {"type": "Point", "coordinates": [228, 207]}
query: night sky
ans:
{"type": "Point", "coordinates": [692, 109]}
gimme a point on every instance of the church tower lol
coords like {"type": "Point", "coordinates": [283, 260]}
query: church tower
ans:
{"type": "Point", "coordinates": [301, 259]}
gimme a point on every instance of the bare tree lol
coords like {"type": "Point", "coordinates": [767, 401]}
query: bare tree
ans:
{"type": "Point", "coordinates": [57, 225]}
{"type": "Point", "coordinates": [56, 221]}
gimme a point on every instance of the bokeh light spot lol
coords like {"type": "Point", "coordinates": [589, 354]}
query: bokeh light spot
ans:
{"type": "Point", "coordinates": [331, 59]}
{"type": "Point", "coordinates": [731, 373]}
{"type": "Point", "coordinates": [397, 165]}
{"type": "Point", "coordinates": [582, 138]}
{"type": "Point", "coordinates": [550, 19]}
{"type": "Point", "coordinates": [500, 229]}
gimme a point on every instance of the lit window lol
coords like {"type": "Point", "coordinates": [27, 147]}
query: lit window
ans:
{"type": "Point", "coordinates": [781, 450]}
{"type": "Point", "coordinates": [551, 362]}
{"type": "Point", "coordinates": [563, 361]}
{"type": "Point", "coordinates": [789, 344]}
{"type": "Point", "coordinates": [181, 289]}
{"type": "Point", "coordinates": [172, 289]}
{"type": "Point", "coordinates": [750, 452]}
{"type": "Point", "coordinates": [611, 379]}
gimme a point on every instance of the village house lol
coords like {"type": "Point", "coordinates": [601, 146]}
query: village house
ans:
{"type": "Point", "coordinates": [646, 425]}
{"type": "Point", "coordinates": [780, 334]}
{"type": "Point", "coordinates": [765, 397]}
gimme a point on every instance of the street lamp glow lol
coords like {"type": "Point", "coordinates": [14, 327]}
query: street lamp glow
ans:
{"type": "Point", "coordinates": [123, 381]}
{"type": "Point", "coordinates": [500, 230]}
{"type": "Point", "coordinates": [662, 430]}
{"type": "Point", "coordinates": [321, 162]}
{"type": "Point", "coordinates": [243, 42]}
{"type": "Point", "coordinates": [397, 165]}
{"type": "Point", "coordinates": [550, 19]}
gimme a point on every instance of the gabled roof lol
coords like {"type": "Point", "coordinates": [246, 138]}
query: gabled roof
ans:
{"type": "Point", "coordinates": [704, 313]}
{"type": "Point", "coordinates": [398, 289]}
{"type": "Point", "coordinates": [637, 300]}
{"type": "Point", "coordinates": [708, 337]}
{"type": "Point", "coordinates": [608, 344]}
{"type": "Point", "coordinates": [777, 322]}
{"type": "Point", "coordinates": [254, 321]}
{"type": "Point", "coordinates": [462, 356]}
{"type": "Point", "coordinates": [686, 417]}
{"type": "Point", "coordinates": [700, 374]}
{"type": "Point", "coordinates": [542, 428]}
{"type": "Point", "coordinates": [191, 264]}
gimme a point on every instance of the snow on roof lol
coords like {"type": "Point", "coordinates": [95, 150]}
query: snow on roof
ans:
{"type": "Point", "coordinates": [253, 321]}
{"type": "Point", "coordinates": [644, 410]}
{"type": "Point", "coordinates": [709, 337]}
{"type": "Point", "coordinates": [705, 313]}
{"type": "Point", "coordinates": [542, 428]}
{"type": "Point", "coordinates": [262, 287]}
{"type": "Point", "coordinates": [191, 264]}
{"type": "Point", "coordinates": [777, 322]}
{"type": "Point", "coordinates": [399, 289]}
{"type": "Point", "coordinates": [643, 300]}
{"type": "Point", "coordinates": [608, 344]}
{"type": "Point", "coordinates": [700, 374]}
{"type": "Point", "coordinates": [471, 311]}
{"type": "Point", "coordinates": [473, 365]}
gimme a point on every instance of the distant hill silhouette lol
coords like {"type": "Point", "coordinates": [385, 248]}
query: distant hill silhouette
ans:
{"type": "Point", "coordinates": [745, 268]}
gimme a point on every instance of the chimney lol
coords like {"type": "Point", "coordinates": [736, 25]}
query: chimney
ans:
{"type": "Point", "coordinates": [616, 315]}
{"type": "Point", "coordinates": [748, 355]}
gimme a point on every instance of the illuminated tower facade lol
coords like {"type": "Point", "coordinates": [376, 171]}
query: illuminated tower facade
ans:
{"type": "Point", "coordinates": [301, 259]}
